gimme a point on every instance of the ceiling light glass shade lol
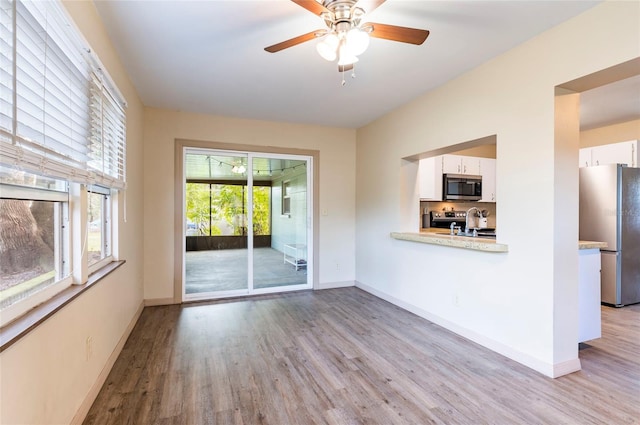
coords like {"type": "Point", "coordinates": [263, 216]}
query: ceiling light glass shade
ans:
{"type": "Point", "coordinates": [358, 41]}
{"type": "Point", "coordinates": [328, 47]}
{"type": "Point", "coordinates": [346, 57]}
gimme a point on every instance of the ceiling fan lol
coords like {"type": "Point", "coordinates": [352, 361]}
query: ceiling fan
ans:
{"type": "Point", "coordinates": [346, 36]}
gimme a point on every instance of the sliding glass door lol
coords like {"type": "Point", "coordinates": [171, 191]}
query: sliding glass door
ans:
{"type": "Point", "coordinates": [247, 223]}
{"type": "Point", "coordinates": [280, 261]}
{"type": "Point", "coordinates": [215, 224]}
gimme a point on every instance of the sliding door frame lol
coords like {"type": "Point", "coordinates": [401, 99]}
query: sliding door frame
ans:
{"type": "Point", "coordinates": [181, 145]}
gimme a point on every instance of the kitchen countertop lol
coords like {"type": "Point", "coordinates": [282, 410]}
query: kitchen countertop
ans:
{"type": "Point", "coordinates": [591, 245]}
{"type": "Point", "coordinates": [430, 236]}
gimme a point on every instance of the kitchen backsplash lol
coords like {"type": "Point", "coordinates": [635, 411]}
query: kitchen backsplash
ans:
{"type": "Point", "coordinates": [490, 207]}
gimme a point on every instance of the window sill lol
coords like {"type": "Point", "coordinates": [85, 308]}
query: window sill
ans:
{"type": "Point", "coordinates": [20, 327]}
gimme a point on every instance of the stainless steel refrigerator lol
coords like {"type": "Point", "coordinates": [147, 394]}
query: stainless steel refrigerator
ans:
{"type": "Point", "coordinates": [610, 212]}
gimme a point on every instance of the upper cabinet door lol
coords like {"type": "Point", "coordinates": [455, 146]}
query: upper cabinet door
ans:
{"type": "Point", "coordinates": [488, 173]}
{"type": "Point", "coordinates": [616, 153]}
{"type": "Point", "coordinates": [430, 179]}
{"type": "Point", "coordinates": [584, 157]}
{"type": "Point", "coordinates": [451, 164]}
{"type": "Point", "coordinates": [458, 164]}
{"type": "Point", "coordinates": [471, 165]}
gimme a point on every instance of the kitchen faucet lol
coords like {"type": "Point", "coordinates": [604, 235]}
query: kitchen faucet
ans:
{"type": "Point", "coordinates": [466, 221]}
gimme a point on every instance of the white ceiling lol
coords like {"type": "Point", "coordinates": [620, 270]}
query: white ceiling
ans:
{"type": "Point", "coordinates": [614, 103]}
{"type": "Point", "coordinates": [208, 57]}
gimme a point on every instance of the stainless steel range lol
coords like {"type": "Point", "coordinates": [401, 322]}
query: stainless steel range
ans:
{"type": "Point", "coordinates": [445, 218]}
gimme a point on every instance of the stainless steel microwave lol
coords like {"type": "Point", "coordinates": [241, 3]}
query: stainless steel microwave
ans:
{"type": "Point", "coordinates": [461, 187]}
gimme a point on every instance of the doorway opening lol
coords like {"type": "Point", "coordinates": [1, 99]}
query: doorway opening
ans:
{"type": "Point", "coordinates": [247, 222]}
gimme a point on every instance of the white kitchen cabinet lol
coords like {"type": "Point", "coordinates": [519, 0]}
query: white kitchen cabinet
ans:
{"type": "Point", "coordinates": [430, 178]}
{"type": "Point", "coordinates": [431, 170]}
{"type": "Point", "coordinates": [589, 317]}
{"type": "Point", "coordinates": [615, 153]}
{"type": "Point", "coordinates": [488, 173]}
{"type": "Point", "coordinates": [458, 164]}
{"type": "Point", "coordinates": [584, 157]}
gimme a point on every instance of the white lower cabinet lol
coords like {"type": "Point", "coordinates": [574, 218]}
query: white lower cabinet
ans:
{"type": "Point", "coordinates": [589, 320]}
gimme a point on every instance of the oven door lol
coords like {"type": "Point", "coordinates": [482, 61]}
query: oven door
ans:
{"type": "Point", "coordinates": [462, 187]}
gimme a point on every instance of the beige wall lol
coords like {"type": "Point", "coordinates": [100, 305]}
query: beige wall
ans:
{"type": "Point", "coordinates": [483, 151]}
{"type": "Point", "coordinates": [337, 187]}
{"type": "Point", "coordinates": [622, 132]}
{"type": "Point", "coordinates": [505, 302]}
{"type": "Point", "coordinates": [523, 303]}
{"type": "Point", "coordinates": [45, 376]}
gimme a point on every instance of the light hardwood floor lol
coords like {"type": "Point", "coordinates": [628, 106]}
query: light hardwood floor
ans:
{"type": "Point", "coordinates": [343, 356]}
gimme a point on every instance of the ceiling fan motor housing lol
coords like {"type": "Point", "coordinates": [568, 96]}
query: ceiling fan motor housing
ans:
{"type": "Point", "coordinates": [342, 15]}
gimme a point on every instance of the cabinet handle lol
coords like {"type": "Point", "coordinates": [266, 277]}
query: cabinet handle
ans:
{"type": "Point", "coordinates": [465, 169]}
{"type": "Point", "coordinates": [597, 162]}
{"type": "Point", "coordinates": [458, 168]}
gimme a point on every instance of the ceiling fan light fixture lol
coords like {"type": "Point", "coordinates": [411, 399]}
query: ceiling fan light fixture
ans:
{"type": "Point", "coordinates": [346, 35]}
{"type": "Point", "coordinates": [357, 41]}
{"type": "Point", "coordinates": [327, 48]}
{"type": "Point", "coordinates": [346, 57]}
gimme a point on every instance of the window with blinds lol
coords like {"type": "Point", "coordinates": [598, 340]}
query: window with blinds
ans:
{"type": "Point", "coordinates": [62, 157]}
{"type": "Point", "coordinates": [59, 116]}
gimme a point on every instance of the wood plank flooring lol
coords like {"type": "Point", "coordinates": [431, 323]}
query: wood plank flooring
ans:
{"type": "Point", "coordinates": [343, 356]}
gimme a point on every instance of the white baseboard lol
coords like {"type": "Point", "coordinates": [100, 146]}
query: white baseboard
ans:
{"type": "Point", "coordinates": [159, 301]}
{"type": "Point", "coordinates": [565, 368]}
{"type": "Point", "coordinates": [333, 285]}
{"type": "Point", "coordinates": [548, 369]}
{"type": "Point", "coordinates": [86, 404]}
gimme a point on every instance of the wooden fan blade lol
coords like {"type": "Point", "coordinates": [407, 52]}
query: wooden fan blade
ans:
{"type": "Point", "coordinates": [312, 6]}
{"type": "Point", "coordinates": [291, 42]}
{"type": "Point", "coordinates": [345, 68]}
{"type": "Point", "coordinates": [395, 33]}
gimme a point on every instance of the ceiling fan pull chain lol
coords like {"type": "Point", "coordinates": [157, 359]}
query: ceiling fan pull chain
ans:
{"type": "Point", "coordinates": [343, 81]}
{"type": "Point", "coordinates": [353, 71]}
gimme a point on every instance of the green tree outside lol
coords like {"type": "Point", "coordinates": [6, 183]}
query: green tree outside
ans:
{"type": "Point", "coordinates": [228, 203]}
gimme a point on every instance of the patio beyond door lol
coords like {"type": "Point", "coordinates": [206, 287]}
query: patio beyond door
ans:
{"type": "Point", "coordinates": [247, 223]}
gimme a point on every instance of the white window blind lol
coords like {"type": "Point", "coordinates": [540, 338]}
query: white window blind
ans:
{"type": "Point", "coordinates": [6, 71]}
{"type": "Point", "coordinates": [108, 135]}
{"type": "Point", "coordinates": [58, 122]}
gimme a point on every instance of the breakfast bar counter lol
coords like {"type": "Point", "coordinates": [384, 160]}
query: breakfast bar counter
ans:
{"type": "Point", "coordinates": [591, 245]}
{"type": "Point", "coordinates": [436, 237]}
{"type": "Point", "coordinates": [464, 242]}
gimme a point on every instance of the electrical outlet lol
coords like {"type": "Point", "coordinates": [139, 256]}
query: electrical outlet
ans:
{"type": "Point", "coordinates": [337, 266]}
{"type": "Point", "coordinates": [456, 299]}
{"type": "Point", "coordinates": [89, 347]}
